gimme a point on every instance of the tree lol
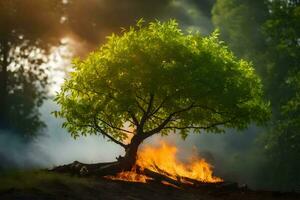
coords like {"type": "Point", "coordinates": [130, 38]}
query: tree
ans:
{"type": "Point", "coordinates": [28, 30]}
{"type": "Point", "coordinates": [156, 79]}
{"type": "Point", "coordinates": [283, 139]}
{"type": "Point", "coordinates": [282, 31]}
{"type": "Point", "coordinates": [282, 35]}
{"type": "Point", "coordinates": [267, 32]}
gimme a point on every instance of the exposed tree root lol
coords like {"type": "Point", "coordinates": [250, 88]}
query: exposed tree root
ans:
{"type": "Point", "coordinates": [81, 169]}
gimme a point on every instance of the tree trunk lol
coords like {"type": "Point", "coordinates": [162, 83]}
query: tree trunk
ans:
{"type": "Point", "coordinates": [125, 163]}
{"type": "Point", "coordinates": [129, 160]}
{"type": "Point", "coordinates": [3, 85]}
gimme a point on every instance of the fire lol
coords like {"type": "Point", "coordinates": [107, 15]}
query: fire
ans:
{"type": "Point", "coordinates": [163, 159]}
{"type": "Point", "coordinates": [131, 176]}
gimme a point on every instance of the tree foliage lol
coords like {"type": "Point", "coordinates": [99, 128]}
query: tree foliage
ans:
{"type": "Point", "coordinates": [282, 31]}
{"type": "Point", "coordinates": [157, 79]}
{"type": "Point", "coordinates": [282, 35]}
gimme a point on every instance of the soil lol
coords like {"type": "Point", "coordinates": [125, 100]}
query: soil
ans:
{"type": "Point", "coordinates": [102, 188]}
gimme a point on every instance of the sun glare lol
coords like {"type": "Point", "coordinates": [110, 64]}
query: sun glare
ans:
{"type": "Point", "coordinates": [59, 62]}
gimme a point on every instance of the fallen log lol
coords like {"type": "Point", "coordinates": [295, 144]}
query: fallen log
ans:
{"type": "Point", "coordinates": [186, 181]}
{"type": "Point", "coordinates": [113, 168]}
{"type": "Point", "coordinates": [82, 169]}
{"type": "Point", "coordinates": [157, 177]}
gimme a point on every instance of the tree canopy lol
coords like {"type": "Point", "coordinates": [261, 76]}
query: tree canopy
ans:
{"type": "Point", "coordinates": [156, 79]}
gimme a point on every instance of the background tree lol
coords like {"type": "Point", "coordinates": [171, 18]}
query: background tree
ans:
{"type": "Point", "coordinates": [155, 80]}
{"type": "Point", "coordinates": [267, 32]}
{"type": "Point", "coordinates": [27, 28]}
{"type": "Point", "coordinates": [282, 30]}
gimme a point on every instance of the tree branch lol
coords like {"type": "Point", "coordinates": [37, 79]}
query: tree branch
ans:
{"type": "Point", "coordinates": [139, 105]}
{"type": "Point", "coordinates": [159, 107]}
{"type": "Point", "coordinates": [135, 120]}
{"type": "Point", "coordinates": [114, 127]}
{"type": "Point", "coordinates": [210, 109]}
{"type": "Point", "coordinates": [98, 128]}
{"type": "Point", "coordinates": [198, 127]}
{"type": "Point", "coordinates": [146, 114]}
{"type": "Point", "coordinates": [166, 121]}
{"type": "Point", "coordinates": [163, 102]}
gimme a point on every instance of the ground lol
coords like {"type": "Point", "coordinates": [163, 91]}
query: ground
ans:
{"type": "Point", "coordinates": [33, 185]}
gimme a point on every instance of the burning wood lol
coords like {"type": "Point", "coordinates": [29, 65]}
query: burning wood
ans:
{"type": "Point", "coordinates": [162, 160]}
{"type": "Point", "coordinates": [131, 176]}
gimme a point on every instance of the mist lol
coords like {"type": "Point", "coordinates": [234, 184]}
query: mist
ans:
{"type": "Point", "coordinates": [54, 147]}
{"type": "Point", "coordinates": [98, 19]}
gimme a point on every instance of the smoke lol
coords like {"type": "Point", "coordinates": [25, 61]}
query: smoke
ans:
{"type": "Point", "coordinates": [12, 152]}
{"type": "Point", "coordinates": [55, 147]}
{"type": "Point", "coordinates": [192, 15]}
{"type": "Point", "coordinates": [90, 21]}
{"type": "Point", "coordinates": [235, 155]}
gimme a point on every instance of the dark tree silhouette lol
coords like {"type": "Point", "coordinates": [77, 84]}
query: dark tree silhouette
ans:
{"type": "Point", "coordinates": [27, 29]}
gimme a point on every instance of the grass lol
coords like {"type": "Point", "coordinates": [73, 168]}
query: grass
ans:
{"type": "Point", "coordinates": [37, 179]}
{"type": "Point", "coordinates": [39, 184]}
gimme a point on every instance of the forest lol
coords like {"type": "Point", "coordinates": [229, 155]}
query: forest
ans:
{"type": "Point", "coordinates": [123, 77]}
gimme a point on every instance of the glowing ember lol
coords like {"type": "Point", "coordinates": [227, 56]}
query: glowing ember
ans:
{"type": "Point", "coordinates": [131, 176]}
{"type": "Point", "coordinates": [163, 160]}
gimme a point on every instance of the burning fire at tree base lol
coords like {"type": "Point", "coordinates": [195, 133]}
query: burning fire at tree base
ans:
{"type": "Point", "coordinates": [163, 160]}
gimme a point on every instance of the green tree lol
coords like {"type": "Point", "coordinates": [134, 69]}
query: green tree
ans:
{"type": "Point", "coordinates": [282, 30]}
{"type": "Point", "coordinates": [27, 31]}
{"type": "Point", "coordinates": [267, 32]}
{"type": "Point", "coordinates": [282, 35]}
{"type": "Point", "coordinates": [282, 143]}
{"type": "Point", "coordinates": [156, 79]}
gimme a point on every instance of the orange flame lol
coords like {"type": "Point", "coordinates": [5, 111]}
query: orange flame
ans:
{"type": "Point", "coordinates": [162, 159]}
{"type": "Point", "coordinates": [131, 176]}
